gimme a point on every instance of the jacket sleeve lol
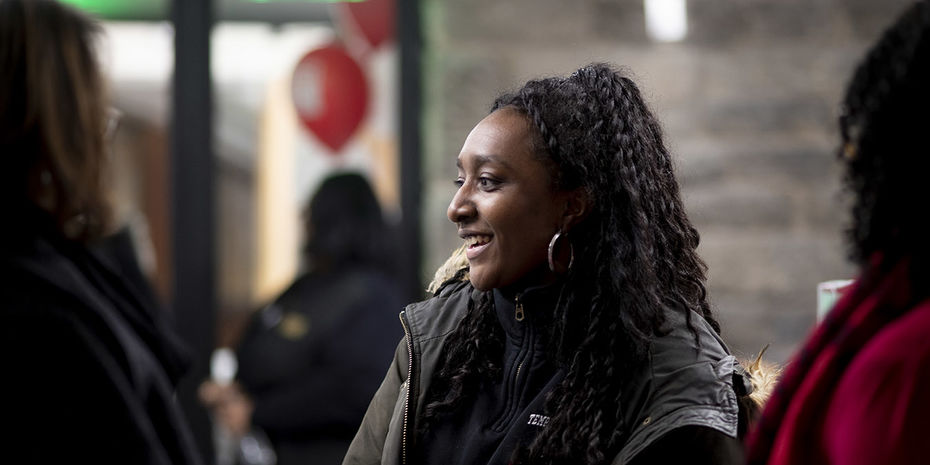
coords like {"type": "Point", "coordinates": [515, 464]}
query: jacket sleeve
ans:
{"type": "Point", "coordinates": [368, 445]}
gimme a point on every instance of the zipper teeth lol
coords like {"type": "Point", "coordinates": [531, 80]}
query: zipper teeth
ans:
{"type": "Point", "coordinates": [513, 388]}
{"type": "Point", "coordinates": [409, 389]}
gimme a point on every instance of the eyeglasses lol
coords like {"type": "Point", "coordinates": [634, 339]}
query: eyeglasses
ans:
{"type": "Point", "coordinates": [849, 133]}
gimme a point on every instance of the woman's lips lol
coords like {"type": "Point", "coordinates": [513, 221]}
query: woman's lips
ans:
{"type": "Point", "coordinates": [475, 245]}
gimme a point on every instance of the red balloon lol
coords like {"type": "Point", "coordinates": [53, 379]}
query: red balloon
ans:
{"type": "Point", "coordinates": [330, 93]}
{"type": "Point", "coordinates": [372, 19]}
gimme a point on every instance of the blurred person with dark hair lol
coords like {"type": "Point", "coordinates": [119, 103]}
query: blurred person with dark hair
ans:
{"type": "Point", "coordinates": [310, 361]}
{"type": "Point", "coordinates": [89, 364]}
{"type": "Point", "coordinates": [857, 392]}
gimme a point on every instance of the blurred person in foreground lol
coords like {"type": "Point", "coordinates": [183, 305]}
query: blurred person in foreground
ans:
{"type": "Point", "coordinates": [857, 392]}
{"type": "Point", "coordinates": [577, 330]}
{"type": "Point", "coordinates": [310, 361]}
{"type": "Point", "coordinates": [89, 365]}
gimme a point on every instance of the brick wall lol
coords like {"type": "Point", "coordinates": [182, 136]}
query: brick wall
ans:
{"type": "Point", "coordinates": [748, 103]}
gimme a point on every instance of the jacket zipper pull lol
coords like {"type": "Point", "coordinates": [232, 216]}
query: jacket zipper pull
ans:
{"type": "Point", "coordinates": [518, 309]}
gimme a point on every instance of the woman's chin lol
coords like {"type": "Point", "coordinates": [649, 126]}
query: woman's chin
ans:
{"type": "Point", "coordinates": [479, 281]}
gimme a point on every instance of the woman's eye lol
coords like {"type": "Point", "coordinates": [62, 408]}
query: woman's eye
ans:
{"type": "Point", "coordinates": [486, 183]}
{"type": "Point", "coordinates": [459, 181]}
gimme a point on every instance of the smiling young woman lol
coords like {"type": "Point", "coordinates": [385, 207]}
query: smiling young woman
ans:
{"type": "Point", "coordinates": [579, 330]}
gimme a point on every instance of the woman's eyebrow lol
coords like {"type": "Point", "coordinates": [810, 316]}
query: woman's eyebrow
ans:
{"type": "Point", "coordinates": [481, 160]}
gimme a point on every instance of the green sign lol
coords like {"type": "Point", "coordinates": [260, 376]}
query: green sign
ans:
{"type": "Point", "coordinates": [123, 9]}
{"type": "Point", "coordinates": [159, 9]}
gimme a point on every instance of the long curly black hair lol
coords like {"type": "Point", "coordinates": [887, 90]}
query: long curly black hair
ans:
{"type": "Point", "coordinates": [884, 126]}
{"type": "Point", "coordinates": [638, 259]}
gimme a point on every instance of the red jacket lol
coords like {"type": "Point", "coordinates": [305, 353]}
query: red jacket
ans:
{"type": "Point", "coordinates": [857, 391]}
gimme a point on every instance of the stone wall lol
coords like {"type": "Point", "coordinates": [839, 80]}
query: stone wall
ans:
{"type": "Point", "coordinates": [748, 103]}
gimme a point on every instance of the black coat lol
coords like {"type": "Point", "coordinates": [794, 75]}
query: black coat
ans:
{"type": "Point", "coordinates": [88, 365]}
{"type": "Point", "coordinates": [313, 358]}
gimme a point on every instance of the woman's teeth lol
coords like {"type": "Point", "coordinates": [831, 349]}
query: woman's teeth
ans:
{"type": "Point", "coordinates": [473, 241]}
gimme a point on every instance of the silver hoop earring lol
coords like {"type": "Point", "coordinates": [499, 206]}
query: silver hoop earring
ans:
{"type": "Point", "coordinates": [551, 255]}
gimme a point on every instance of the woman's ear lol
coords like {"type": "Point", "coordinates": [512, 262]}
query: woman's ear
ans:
{"type": "Point", "coordinates": [577, 206]}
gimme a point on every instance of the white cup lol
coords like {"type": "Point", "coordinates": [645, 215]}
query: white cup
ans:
{"type": "Point", "coordinates": [828, 293]}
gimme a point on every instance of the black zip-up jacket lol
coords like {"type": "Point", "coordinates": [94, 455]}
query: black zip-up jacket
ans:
{"type": "Point", "coordinates": [684, 385]}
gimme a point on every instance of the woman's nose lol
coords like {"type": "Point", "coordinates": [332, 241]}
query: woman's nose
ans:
{"type": "Point", "coordinates": [461, 208]}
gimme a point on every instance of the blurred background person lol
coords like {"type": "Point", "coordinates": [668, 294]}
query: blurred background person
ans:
{"type": "Point", "coordinates": [857, 391]}
{"type": "Point", "coordinates": [310, 361]}
{"type": "Point", "coordinates": [89, 362]}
